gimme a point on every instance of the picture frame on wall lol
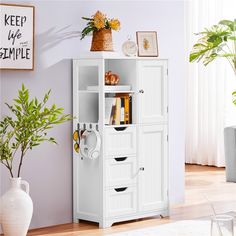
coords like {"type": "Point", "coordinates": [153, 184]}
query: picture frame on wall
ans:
{"type": "Point", "coordinates": [147, 43]}
{"type": "Point", "coordinates": [17, 37]}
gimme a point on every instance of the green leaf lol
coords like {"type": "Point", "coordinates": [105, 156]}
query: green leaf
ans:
{"type": "Point", "coordinates": [234, 97]}
{"type": "Point", "coordinates": [86, 18]}
{"type": "Point", "coordinates": [17, 101]}
{"type": "Point", "coordinates": [86, 31]}
{"type": "Point", "coordinates": [228, 23]}
{"type": "Point", "coordinates": [18, 107]}
{"type": "Point", "coordinates": [23, 87]}
{"type": "Point", "coordinates": [193, 56]}
{"type": "Point", "coordinates": [233, 38]}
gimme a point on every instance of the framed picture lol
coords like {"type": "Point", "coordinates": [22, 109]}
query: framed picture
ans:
{"type": "Point", "coordinates": [17, 37]}
{"type": "Point", "coordinates": [147, 43]}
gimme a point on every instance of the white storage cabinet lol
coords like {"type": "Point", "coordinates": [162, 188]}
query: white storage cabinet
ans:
{"type": "Point", "coordinates": [129, 179]}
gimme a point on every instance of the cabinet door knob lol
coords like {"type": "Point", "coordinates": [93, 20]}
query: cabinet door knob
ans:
{"type": "Point", "coordinates": [141, 91]}
{"type": "Point", "coordinates": [141, 168]}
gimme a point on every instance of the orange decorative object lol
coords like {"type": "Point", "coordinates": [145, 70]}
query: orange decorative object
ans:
{"type": "Point", "coordinates": [111, 78]}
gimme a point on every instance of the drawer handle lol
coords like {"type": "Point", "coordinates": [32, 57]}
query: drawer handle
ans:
{"type": "Point", "coordinates": [120, 158]}
{"type": "Point", "coordinates": [120, 189]}
{"type": "Point", "coordinates": [120, 128]}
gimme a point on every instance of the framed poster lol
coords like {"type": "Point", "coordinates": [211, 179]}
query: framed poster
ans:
{"type": "Point", "coordinates": [17, 37]}
{"type": "Point", "coordinates": [147, 43]}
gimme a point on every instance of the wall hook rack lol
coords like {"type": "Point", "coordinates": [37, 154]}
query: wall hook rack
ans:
{"type": "Point", "coordinates": [87, 126]}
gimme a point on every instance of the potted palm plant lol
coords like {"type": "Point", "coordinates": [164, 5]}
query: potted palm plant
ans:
{"type": "Point", "coordinates": [26, 129]}
{"type": "Point", "coordinates": [219, 41]}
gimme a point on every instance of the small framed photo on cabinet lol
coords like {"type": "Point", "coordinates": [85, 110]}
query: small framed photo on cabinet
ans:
{"type": "Point", "coordinates": [147, 43]}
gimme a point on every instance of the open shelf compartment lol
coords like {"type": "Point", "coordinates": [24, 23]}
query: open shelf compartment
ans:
{"type": "Point", "coordinates": [125, 69]}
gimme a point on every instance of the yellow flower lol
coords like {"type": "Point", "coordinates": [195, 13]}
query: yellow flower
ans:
{"type": "Point", "coordinates": [99, 20]}
{"type": "Point", "coordinates": [114, 24]}
{"type": "Point", "coordinates": [99, 15]}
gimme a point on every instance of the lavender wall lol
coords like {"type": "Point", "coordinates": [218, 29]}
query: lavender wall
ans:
{"type": "Point", "coordinates": [48, 168]}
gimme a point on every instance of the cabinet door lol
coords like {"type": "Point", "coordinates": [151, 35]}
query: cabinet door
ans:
{"type": "Point", "coordinates": [153, 168]}
{"type": "Point", "coordinates": [152, 91]}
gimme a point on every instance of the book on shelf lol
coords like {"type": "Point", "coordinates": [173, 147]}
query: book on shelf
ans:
{"type": "Point", "coordinates": [118, 109]}
{"type": "Point", "coordinates": [109, 105]}
{"type": "Point", "coordinates": [122, 110]}
{"type": "Point", "coordinates": [130, 110]}
{"type": "Point", "coordinates": [127, 110]}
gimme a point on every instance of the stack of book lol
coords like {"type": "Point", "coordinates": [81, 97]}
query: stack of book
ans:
{"type": "Point", "coordinates": [118, 110]}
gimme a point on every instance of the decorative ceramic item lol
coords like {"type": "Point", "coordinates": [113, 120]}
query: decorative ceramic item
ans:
{"type": "Point", "coordinates": [111, 78]}
{"type": "Point", "coordinates": [16, 209]}
{"type": "Point", "coordinates": [25, 129]}
{"type": "Point", "coordinates": [101, 27]}
{"type": "Point", "coordinates": [129, 48]}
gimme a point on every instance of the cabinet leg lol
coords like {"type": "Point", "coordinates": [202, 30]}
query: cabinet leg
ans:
{"type": "Point", "coordinates": [164, 214]}
{"type": "Point", "coordinates": [105, 224]}
{"type": "Point", "coordinates": [75, 220]}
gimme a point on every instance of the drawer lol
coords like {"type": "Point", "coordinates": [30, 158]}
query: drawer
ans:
{"type": "Point", "coordinates": [121, 201]}
{"type": "Point", "coordinates": [121, 171]}
{"type": "Point", "coordinates": [120, 141]}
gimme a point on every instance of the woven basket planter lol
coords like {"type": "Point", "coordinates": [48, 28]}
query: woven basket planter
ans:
{"type": "Point", "coordinates": [102, 40]}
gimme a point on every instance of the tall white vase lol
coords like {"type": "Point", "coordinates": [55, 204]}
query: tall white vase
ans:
{"type": "Point", "coordinates": [16, 209]}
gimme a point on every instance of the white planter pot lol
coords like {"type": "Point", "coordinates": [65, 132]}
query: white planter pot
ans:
{"type": "Point", "coordinates": [16, 209]}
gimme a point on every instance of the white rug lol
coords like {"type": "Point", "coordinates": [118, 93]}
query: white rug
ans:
{"type": "Point", "coordinates": [180, 228]}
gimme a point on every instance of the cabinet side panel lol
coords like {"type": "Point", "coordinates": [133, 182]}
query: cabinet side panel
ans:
{"type": "Point", "coordinates": [88, 186]}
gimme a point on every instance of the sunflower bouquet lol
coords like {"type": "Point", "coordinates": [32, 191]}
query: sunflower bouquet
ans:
{"type": "Point", "coordinates": [98, 22]}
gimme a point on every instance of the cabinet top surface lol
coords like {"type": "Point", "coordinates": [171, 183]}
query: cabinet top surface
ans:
{"type": "Point", "coordinates": [112, 55]}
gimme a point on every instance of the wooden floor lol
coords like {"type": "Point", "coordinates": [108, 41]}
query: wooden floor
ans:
{"type": "Point", "coordinates": [200, 181]}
